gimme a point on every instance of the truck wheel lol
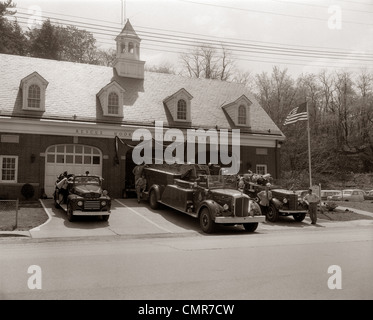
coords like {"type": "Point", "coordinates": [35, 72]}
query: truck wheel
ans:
{"type": "Point", "coordinates": [206, 222]}
{"type": "Point", "coordinates": [70, 212]}
{"type": "Point", "coordinates": [105, 217]}
{"type": "Point", "coordinates": [272, 213]}
{"type": "Point", "coordinates": [299, 217]}
{"type": "Point", "coordinates": [153, 200]}
{"type": "Point", "coordinates": [250, 227]}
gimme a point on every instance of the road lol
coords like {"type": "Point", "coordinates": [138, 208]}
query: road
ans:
{"type": "Point", "coordinates": [226, 266]}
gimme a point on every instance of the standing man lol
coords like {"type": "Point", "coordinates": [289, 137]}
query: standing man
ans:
{"type": "Point", "coordinates": [137, 171]}
{"type": "Point", "coordinates": [140, 187]}
{"type": "Point", "coordinates": [312, 200]}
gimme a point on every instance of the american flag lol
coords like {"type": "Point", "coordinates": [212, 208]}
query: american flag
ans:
{"type": "Point", "coordinates": [297, 114]}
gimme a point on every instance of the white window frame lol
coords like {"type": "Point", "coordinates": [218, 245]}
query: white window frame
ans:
{"type": "Point", "coordinates": [259, 167]}
{"type": "Point", "coordinates": [2, 157]}
{"type": "Point", "coordinates": [112, 106]}
{"type": "Point", "coordinates": [242, 119]}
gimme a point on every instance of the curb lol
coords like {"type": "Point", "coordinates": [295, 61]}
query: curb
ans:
{"type": "Point", "coordinates": [4, 234]}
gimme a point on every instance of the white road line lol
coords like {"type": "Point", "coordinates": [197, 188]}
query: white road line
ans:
{"type": "Point", "coordinates": [145, 218]}
{"type": "Point", "coordinates": [49, 217]}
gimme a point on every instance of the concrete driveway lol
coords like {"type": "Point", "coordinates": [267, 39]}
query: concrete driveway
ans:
{"type": "Point", "coordinates": [128, 218]}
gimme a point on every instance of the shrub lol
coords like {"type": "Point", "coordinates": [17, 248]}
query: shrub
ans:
{"type": "Point", "coordinates": [330, 206]}
{"type": "Point", "coordinates": [27, 191]}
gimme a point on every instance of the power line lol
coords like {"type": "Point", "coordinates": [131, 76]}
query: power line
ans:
{"type": "Point", "coordinates": [169, 38]}
{"type": "Point", "coordinates": [318, 6]}
{"type": "Point", "coordinates": [267, 12]}
{"type": "Point", "coordinates": [185, 33]}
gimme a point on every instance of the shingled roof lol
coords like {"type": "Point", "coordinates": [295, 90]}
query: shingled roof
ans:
{"type": "Point", "coordinates": [73, 88]}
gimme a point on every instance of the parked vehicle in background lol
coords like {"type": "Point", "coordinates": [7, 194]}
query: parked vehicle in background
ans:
{"type": "Point", "coordinates": [213, 199]}
{"type": "Point", "coordinates": [325, 194]}
{"type": "Point", "coordinates": [349, 195]}
{"type": "Point", "coordinates": [368, 195]}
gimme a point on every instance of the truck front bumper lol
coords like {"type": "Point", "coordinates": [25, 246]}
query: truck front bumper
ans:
{"type": "Point", "coordinates": [240, 220]}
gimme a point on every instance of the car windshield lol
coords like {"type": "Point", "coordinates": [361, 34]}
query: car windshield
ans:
{"type": "Point", "coordinates": [222, 181]}
{"type": "Point", "coordinates": [347, 192]}
{"type": "Point", "coordinates": [87, 180]}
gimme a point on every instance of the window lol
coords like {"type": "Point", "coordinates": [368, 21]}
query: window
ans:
{"type": "Point", "coordinates": [241, 114]}
{"type": "Point", "coordinates": [73, 154]}
{"type": "Point", "coordinates": [130, 47]}
{"type": "Point", "coordinates": [33, 97]}
{"type": "Point", "coordinates": [261, 169]}
{"type": "Point", "coordinates": [113, 105]}
{"type": "Point", "coordinates": [181, 110]}
{"type": "Point", "coordinates": [9, 168]}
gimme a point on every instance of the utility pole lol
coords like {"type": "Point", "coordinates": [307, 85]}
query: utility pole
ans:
{"type": "Point", "coordinates": [123, 12]}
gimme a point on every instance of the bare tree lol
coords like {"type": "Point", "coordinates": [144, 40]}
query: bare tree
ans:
{"type": "Point", "coordinates": [207, 62]}
{"type": "Point", "coordinates": [165, 67]}
{"type": "Point", "coordinates": [276, 93]}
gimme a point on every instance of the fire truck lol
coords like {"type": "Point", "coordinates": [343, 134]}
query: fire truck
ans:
{"type": "Point", "coordinates": [191, 189]}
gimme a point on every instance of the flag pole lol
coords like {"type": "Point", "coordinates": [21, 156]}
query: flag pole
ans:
{"type": "Point", "coordinates": [309, 144]}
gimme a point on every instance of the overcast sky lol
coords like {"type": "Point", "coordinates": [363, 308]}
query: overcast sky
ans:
{"type": "Point", "coordinates": [303, 36]}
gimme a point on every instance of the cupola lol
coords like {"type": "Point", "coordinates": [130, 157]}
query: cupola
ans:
{"type": "Point", "coordinates": [127, 62]}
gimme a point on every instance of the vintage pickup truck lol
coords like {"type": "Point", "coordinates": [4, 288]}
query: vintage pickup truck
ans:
{"type": "Point", "coordinates": [213, 199]}
{"type": "Point", "coordinates": [83, 196]}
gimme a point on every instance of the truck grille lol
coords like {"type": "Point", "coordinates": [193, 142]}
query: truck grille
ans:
{"type": "Point", "coordinates": [92, 205]}
{"type": "Point", "coordinates": [241, 207]}
{"type": "Point", "coordinates": [293, 202]}
{"type": "Point", "coordinates": [92, 195]}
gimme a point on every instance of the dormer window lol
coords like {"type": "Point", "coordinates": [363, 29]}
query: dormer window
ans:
{"type": "Point", "coordinates": [33, 100]}
{"type": "Point", "coordinates": [111, 98]}
{"type": "Point", "coordinates": [239, 112]}
{"type": "Point", "coordinates": [113, 103]}
{"type": "Point", "coordinates": [242, 114]}
{"type": "Point", "coordinates": [181, 110]}
{"type": "Point", "coordinates": [33, 88]}
{"type": "Point", "coordinates": [179, 105]}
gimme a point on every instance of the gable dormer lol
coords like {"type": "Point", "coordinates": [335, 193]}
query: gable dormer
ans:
{"type": "Point", "coordinates": [239, 112]}
{"type": "Point", "coordinates": [179, 105]}
{"type": "Point", "coordinates": [111, 99]}
{"type": "Point", "coordinates": [33, 89]}
{"type": "Point", "coordinates": [127, 62]}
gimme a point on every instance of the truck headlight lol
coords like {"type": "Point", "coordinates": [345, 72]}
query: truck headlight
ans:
{"type": "Point", "coordinates": [225, 207]}
{"type": "Point", "coordinates": [103, 203]}
{"type": "Point", "coordinates": [80, 203]}
{"type": "Point", "coordinates": [285, 200]}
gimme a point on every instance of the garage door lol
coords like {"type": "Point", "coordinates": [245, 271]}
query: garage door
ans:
{"type": "Point", "coordinates": [73, 158]}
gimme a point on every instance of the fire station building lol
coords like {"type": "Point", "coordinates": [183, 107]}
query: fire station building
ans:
{"type": "Point", "coordinates": [58, 116]}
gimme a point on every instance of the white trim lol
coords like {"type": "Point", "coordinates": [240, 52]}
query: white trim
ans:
{"type": "Point", "coordinates": [83, 129]}
{"type": "Point", "coordinates": [261, 165]}
{"type": "Point", "coordinates": [33, 79]}
{"type": "Point", "coordinates": [15, 171]}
